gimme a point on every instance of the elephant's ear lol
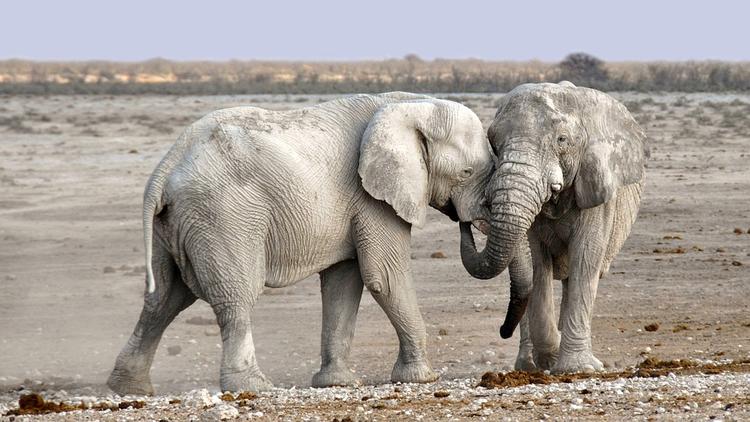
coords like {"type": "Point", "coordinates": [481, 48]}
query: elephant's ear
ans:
{"type": "Point", "coordinates": [615, 150]}
{"type": "Point", "coordinates": [393, 160]}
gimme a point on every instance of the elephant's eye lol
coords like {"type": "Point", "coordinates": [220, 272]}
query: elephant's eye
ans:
{"type": "Point", "coordinates": [562, 139]}
{"type": "Point", "coordinates": [467, 172]}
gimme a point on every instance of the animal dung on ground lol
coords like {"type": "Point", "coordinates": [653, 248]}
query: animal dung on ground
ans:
{"type": "Point", "coordinates": [738, 230]}
{"type": "Point", "coordinates": [677, 250]}
{"type": "Point", "coordinates": [492, 380]}
{"type": "Point", "coordinates": [652, 327]}
{"type": "Point", "coordinates": [680, 327]}
{"type": "Point", "coordinates": [35, 404]}
{"type": "Point", "coordinates": [438, 255]}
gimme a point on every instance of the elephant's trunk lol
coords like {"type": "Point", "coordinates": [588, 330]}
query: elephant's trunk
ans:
{"type": "Point", "coordinates": [521, 276]}
{"type": "Point", "coordinates": [516, 202]}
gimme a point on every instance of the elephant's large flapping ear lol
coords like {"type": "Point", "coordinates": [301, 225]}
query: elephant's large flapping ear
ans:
{"type": "Point", "coordinates": [615, 150]}
{"type": "Point", "coordinates": [393, 161]}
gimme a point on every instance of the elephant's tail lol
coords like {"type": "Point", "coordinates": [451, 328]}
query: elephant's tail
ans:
{"type": "Point", "coordinates": [152, 205]}
{"type": "Point", "coordinates": [153, 202]}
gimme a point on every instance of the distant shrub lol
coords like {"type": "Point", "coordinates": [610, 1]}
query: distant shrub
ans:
{"type": "Point", "coordinates": [583, 69]}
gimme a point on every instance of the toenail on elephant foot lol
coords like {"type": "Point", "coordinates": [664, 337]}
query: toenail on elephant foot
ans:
{"type": "Point", "coordinates": [123, 383]}
{"type": "Point", "coordinates": [251, 381]}
{"type": "Point", "coordinates": [418, 372]}
{"type": "Point", "coordinates": [582, 361]}
{"type": "Point", "coordinates": [334, 377]}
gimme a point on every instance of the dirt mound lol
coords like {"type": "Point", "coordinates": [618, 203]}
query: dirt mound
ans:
{"type": "Point", "coordinates": [34, 404]}
{"type": "Point", "coordinates": [514, 379]}
{"type": "Point", "coordinates": [651, 367]}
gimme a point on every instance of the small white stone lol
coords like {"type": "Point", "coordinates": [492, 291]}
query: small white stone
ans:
{"type": "Point", "coordinates": [221, 412]}
{"type": "Point", "coordinates": [197, 398]}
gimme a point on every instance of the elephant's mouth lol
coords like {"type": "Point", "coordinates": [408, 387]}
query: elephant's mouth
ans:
{"type": "Point", "coordinates": [482, 225]}
{"type": "Point", "coordinates": [449, 209]}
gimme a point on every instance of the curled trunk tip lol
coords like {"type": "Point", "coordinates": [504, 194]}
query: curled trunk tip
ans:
{"type": "Point", "coordinates": [516, 309]}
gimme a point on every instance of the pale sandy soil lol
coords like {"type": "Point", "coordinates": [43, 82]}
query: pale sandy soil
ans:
{"type": "Point", "coordinates": [72, 170]}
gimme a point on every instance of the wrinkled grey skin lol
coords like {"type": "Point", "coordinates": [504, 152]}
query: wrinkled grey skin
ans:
{"type": "Point", "coordinates": [248, 198]}
{"type": "Point", "coordinates": [567, 189]}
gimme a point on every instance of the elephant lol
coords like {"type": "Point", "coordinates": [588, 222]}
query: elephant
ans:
{"type": "Point", "coordinates": [563, 198]}
{"type": "Point", "coordinates": [248, 198]}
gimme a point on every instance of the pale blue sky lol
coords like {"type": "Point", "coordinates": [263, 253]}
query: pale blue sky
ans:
{"type": "Point", "coordinates": [376, 29]}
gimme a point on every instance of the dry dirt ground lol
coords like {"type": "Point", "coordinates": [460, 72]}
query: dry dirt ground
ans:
{"type": "Point", "coordinates": [72, 170]}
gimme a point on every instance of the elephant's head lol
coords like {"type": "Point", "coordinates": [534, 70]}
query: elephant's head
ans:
{"type": "Point", "coordinates": [554, 142]}
{"type": "Point", "coordinates": [424, 152]}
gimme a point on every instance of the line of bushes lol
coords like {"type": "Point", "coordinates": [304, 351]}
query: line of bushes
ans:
{"type": "Point", "coordinates": [408, 74]}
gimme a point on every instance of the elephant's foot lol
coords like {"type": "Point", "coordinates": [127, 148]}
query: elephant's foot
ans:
{"type": "Point", "coordinates": [545, 360]}
{"type": "Point", "coordinates": [123, 382]}
{"type": "Point", "coordinates": [525, 361]}
{"type": "Point", "coordinates": [334, 376]}
{"type": "Point", "coordinates": [253, 381]}
{"type": "Point", "coordinates": [418, 371]}
{"type": "Point", "coordinates": [582, 361]}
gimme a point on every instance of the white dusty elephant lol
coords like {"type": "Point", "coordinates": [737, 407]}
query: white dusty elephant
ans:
{"type": "Point", "coordinates": [248, 198]}
{"type": "Point", "coordinates": [567, 189]}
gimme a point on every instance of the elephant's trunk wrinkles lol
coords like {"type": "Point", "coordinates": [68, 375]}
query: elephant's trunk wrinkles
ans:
{"type": "Point", "coordinates": [516, 202]}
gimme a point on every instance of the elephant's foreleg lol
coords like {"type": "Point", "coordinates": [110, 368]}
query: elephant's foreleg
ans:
{"type": "Point", "coordinates": [564, 301]}
{"type": "Point", "coordinates": [587, 253]}
{"type": "Point", "coordinates": [131, 372]}
{"type": "Point", "coordinates": [525, 358]}
{"type": "Point", "coordinates": [341, 289]}
{"type": "Point", "coordinates": [383, 247]}
{"type": "Point", "coordinates": [399, 302]}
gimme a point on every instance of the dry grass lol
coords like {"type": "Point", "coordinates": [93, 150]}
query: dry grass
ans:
{"type": "Point", "coordinates": [160, 76]}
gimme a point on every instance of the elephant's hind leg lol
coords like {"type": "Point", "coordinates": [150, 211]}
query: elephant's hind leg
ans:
{"type": "Point", "coordinates": [232, 276]}
{"type": "Point", "coordinates": [131, 372]}
{"type": "Point", "coordinates": [239, 367]}
{"type": "Point", "coordinates": [341, 288]}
